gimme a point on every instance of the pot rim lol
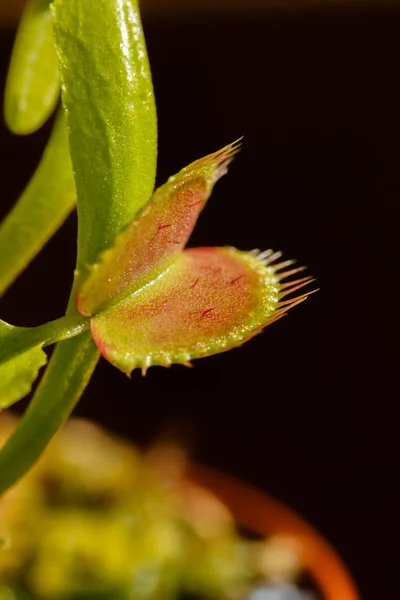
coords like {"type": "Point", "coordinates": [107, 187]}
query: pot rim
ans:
{"type": "Point", "coordinates": [265, 515]}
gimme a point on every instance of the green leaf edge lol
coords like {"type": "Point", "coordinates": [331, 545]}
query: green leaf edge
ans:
{"type": "Point", "coordinates": [40, 211]}
{"type": "Point", "coordinates": [26, 370]}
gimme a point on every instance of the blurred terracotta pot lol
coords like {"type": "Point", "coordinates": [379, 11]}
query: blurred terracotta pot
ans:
{"type": "Point", "coordinates": [266, 516]}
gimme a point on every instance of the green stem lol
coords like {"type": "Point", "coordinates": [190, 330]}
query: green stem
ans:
{"type": "Point", "coordinates": [17, 340]}
{"type": "Point", "coordinates": [65, 379]}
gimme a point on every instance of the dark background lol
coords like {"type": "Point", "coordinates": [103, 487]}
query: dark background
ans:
{"type": "Point", "coordinates": [307, 410]}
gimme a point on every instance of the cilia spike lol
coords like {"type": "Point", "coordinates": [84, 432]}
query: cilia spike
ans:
{"type": "Point", "coordinates": [153, 303]}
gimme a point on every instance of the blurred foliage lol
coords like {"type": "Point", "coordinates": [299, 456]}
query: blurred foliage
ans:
{"type": "Point", "coordinates": [96, 518]}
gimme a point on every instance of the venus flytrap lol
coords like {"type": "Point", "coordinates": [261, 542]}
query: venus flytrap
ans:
{"type": "Point", "coordinates": [152, 303]}
{"type": "Point", "coordinates": [146, 300]}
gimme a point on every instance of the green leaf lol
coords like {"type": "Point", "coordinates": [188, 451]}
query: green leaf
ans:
{"type": "Point", "coordinates": [207, 301]}
{"type": "Point", "coordinates": [66, 377]}
{"type": "Point", "coordinates": [41, 209]}
{"type": "Point", "coordinates": [146, 247]}
{"type": "Point", "coordinates": [18, 374]}
{"type": "Point", "coordinates": [33, 83]}
{"type": "Point", "coordinates": [109, 101]}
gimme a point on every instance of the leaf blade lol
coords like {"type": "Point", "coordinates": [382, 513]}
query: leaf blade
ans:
{"type": "Point", "coordinates": [66, 377]}
{"type": "Point", "coordinates": [41, 209]}
{"type": "Point", "coordinates": [33, 82]}
{"type": "Point", "coordinates": [208, 301]}
{"type": "Point", "coordinates": [18, 375]}
{"type": "Point", "coordinates": [109, 101]}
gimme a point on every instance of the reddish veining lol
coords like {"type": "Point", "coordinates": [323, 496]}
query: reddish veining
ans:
{"type": "Point", "coordinates": [194, 283]}
{"type": "Point", "coordinates": [142, 249]}
{"type": "Point", "coordinates": [206, 312]}
{"type": "Point", "coordinates": [160, 228]}
{"type": "Point", "coordinates": [236, 279]}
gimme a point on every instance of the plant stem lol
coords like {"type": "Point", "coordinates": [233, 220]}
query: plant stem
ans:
{"type": "Point", "coordinates": [66, 377]}
{"type": "Point", "coordinates": [17, 340]}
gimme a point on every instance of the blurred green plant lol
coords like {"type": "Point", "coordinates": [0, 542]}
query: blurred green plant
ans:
{"type": "Point", "coordinates": [97, 519]}
{"type": "Point", "coordinates": [138, 296]}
